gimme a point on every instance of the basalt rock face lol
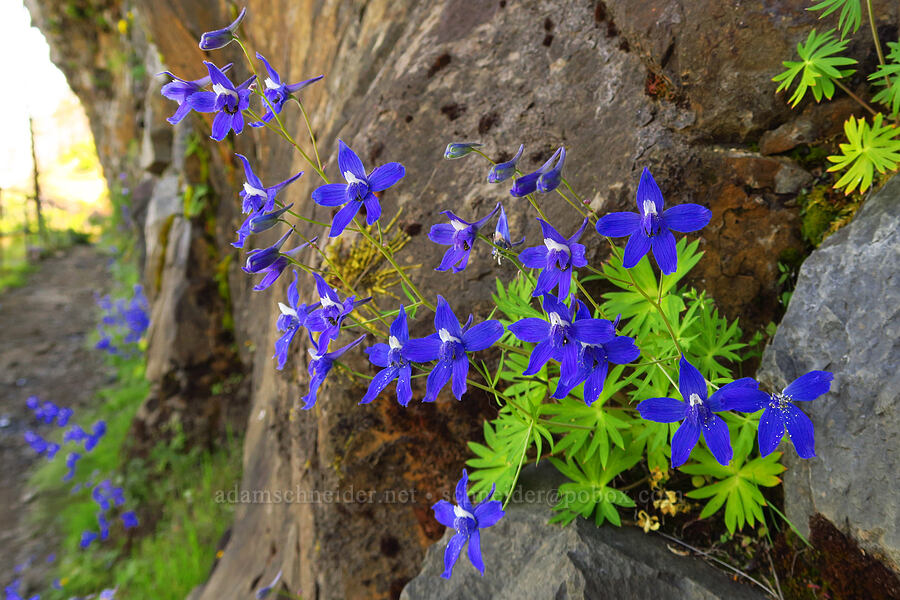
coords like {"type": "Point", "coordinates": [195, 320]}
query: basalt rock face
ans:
{"type": "Point", "coordinates": [680, 86]}
{"type": "Point", "coordinates": [844, 318]}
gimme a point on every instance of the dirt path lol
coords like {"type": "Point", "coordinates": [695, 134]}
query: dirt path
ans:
{"type": "Point", "coordinates": [43, 352]}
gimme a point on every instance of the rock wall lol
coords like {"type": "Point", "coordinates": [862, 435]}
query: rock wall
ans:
{"type": "Point", "coordinates": [681, 86]}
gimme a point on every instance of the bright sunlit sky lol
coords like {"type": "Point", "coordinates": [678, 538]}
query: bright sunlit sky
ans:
{"type": "Point", "coordinates": [33, 86]}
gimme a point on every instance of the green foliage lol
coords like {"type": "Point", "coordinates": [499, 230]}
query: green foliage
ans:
{"type": "Point", "coordinates": [868, 148]}
{"type": "Point", "coordinates": [888, 77]}
{"type": "Point", "coordinates": [817, 68]}
{"type": "Point", "coordinates": [593, 445]}
{"type": "Point", "coordinates": [738, 483]}
{"type": "Point", "coordinates": [851, 14]}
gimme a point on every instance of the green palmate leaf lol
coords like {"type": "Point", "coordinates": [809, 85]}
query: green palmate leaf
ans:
{"type": "Point", "coordinates": [711, 339]}
{"type": "Point", "coordinates": [506, 438]}
{"type": "Point", "coordinates": [515, 300]}
{"type": "Point", "coordinates": [851, 14]}
{"type": "Point", "coordinates": [739, 482]}
{"type": "Point", "coordinates": [888, 77]}
{"type": "Point", "coordinates": [589, 429]}
{"type": "Point", "coordinates": [589, 492]}
{"type": "Point", "coordinates": [817, 68]}
{"type": "Point", "coordinates": [868, 148]}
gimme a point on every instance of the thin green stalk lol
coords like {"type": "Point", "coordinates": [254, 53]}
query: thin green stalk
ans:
{"type": "Point", "coordinates": [875, 34]}
{"type": "Point", "coordinates": [859, 100]}
{"type": "Point", "coordinates": [312, 136]}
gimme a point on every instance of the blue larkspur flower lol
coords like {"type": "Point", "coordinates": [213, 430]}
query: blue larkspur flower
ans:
{"type": "Point", "coordinates": [261, 258]}
{"type": "Point", "coordinates": [278, 92]}
{"type": "Point", "coordinates": [781, 414]}
{"type": "Point", "coordinates": [502, 236]}
{"type": "Point", "coordinates": [556, 259]}
{"type": "Point", "coordinates": [293, 316]}
{"type": "Point", "coordinates": [213, 40]}
{"type": "Point", "coordinates": [225, 99]}
{"type": "Point", "coordinates": [327, 320]}
{"type": "Point", "coordinates": [359, 190]}
{"type": "Point", "coordinates": [180, 90]}
{"type": "Point", "coordinates": [652, 226]}
{"type": "Point", "coordinates": [696, 412]}
{"type": "Point", "coordinates": [460, 149]}
{"type": "Point", "coordinates": [273, 270]}
{"type": "Point", "coordinates": [129, 519]}
{"type": "Point", "coordinates": [449, 347]}
{"type": "Point", "coordinates": [558, 337]}
{"type": "Point", "coordinates": [87, 538]}
{"type": "Point", "coordinates": [37, 443]}
{"type": "Point", "coordinates": [594, 359]}
{"type": "Point", "coordinates": [394, 365]}
{"type": "Point", "coordinates": [254, 195]}
{"type": "Point", "coordinates": [320, 365]}
{"type": "Point", "coordinates": [505, 170]}
{"type": "Point", "coordinates": [528, 184]}
{"type": "Point", "coordinates": [460, 236]}
{"type": "Point", "coordinates": [468, 521]}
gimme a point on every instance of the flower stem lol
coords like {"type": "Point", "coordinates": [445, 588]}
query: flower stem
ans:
{"type": "Point", "coordinates": [859, 100]}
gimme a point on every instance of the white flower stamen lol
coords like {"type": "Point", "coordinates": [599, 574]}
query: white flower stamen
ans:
{"type": "Point", "coordinates": [554, 245]}
{"type": "Point", "coordinates": [461, 513]}
{"type": "Point", "coordinates": [287, 310]}
{"type": "Point", "coordinates": [394, 343]}
{"type": "Point", "coordinates": [556, 320]}
{"type": "Point", "coordinates": [351, 178]}
{"type": "Point", "coordinates": [649, 208]}
{"type": "Point", "coordinates": [254, 191]}
{"type": "Point", "coordinates": [458, 225]}
{"type": "Point", "coordinates": [695, 400]}
{"type": "Point", "coordinates": [328, 302]}
{"type": "Point", "coordinates": [271, 84]}
{"type": "Point", "coordinates": [220, 89]}
{"type": "Point", "coordinates": [447, 337]}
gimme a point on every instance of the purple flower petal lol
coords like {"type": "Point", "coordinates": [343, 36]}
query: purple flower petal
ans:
{"type": "Point", "coordinates": [771, 430]}
{"type": "Point", "coordinates": [664, 251]}
{"type": "Point", "coordinates": [662, 410]}
{"type": "Point", "coordinates": [349, 162]}
{"type": "Point", "coordinates": [690, 381]}
{"type": "Point", "coordinates": [443, 512]}
{"type": "Point", "coordinates": [385, 176]}
{"type": "Point", "coordinates": [638, 245]}
{"type": "Point", "coordinates": [715, 432]}
{"type": "Point", "coordinates": [648, 190]}
{"type": "Point", "coordinates": [684, 441]}
{"type": "Point", "coordinates": [801, 430]}
{"type": "Point", "coordinates": [619, 224]}
{"type": "Point", "coordinates": [810, 386]}
{"type": "Point", "coordinates": [685, 218]}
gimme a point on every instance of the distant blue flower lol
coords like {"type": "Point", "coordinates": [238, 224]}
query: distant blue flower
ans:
{"type": "Point", "coordinates": [358, 191]}
{"type": "Point", "coordinates": [213, 40]}
{"type": "Point", "coordinates": [129, 519]}
{"type": "Point", "coordinates": [263, 221]}
{"type": "Point", "coordinates": [37, 443]}
{"type": "Point", "coordinates": [103, 523]}
{"type": "Point", "coordinates": [528, 184]}
{"type": "Point", "coordinates": [460, 236]}
{"type": "Point", "coordinates": [558, 337]}
{"type": "Point", "coordinates": [277, 92]}
{"type": "Point", "coordinates": [257, 197]}
{"type": "Point", "coordinates": [292, 318]}
{"type": "Point", "coordinates": [460, 149]}
{"type": "Point", "coordinates": [652, 226]}
{"type": "Point", "coordinates": [71, 460]}
{"type": "Point", "coordinates": [468, 521]}
{"type": "Point", "coordinates": [226, 100]}
{"type": "Point", "coordinates": [502, 237]}
{"type": "Point", "coordinates": [556, 259]}
{"type": "Point", "coordinates": [75, 434]}
{"type": "Point", "coordinates": [263, 592]}
{"type": "Point", "coordinates": [108, 594]}
{"type": "Point", "coordinates": [780, 412]}
{"type": "Point", "coordinates": [394, 366]}
{"type": "Point", "coordinates": [91, 441]}
{"type": "Point", "coordinates": [449, 347]}
{"type": "Point", "coordinates": [505, 170]}
{"type": "Point", "coordinates": [47, 412]}
{"type": "Point", "coordinates": [180, 90]}
{"type": "Point", "coordinates": [87, 538]}
{"type": "Point", "coordinates": [52, 449]}
{"type": "Point", "coordinates": [320, 366]}
{"type": "Point", "coordinates": [33, 402]}
{"type": "Point", "coordinates": [329, 317]}
{"type": "Point", "coordinates": [62, 419]}
{"type": "Point", "coordinates": [697, 413]}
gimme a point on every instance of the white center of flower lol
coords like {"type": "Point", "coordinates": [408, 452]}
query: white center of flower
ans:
{"type": "Point", "coordinates": [254, 191]}
{"type": "Point", "coordinates": [328, 302]}
{"type": "Point", "coordinates": [271, 84]}
{"type": "Point", "coordinates": [394, 343]}
{"type": "Point", "coordinates": [458, 225]}
{"type": "Point", "coordinates": [446, 337]}
{"type": "Point", "coordinates": [351, 178]}
{"type": "Point", "coordinates": [220, 89]}
{"type": "Point", "coordinates": [287, 310]}
{"type": "Point", "coordinates": [460, 513]}
{"type": "Point", "coordinates": [649, 208]}
{"type": "Point", "coordinates": [695, 400]}
{"type": "Point", "coordinates": [315, 355]}
{"type": "Point", "coordinates": [554, 245]}
{"type": "Point", "coordinates": [557, 320]}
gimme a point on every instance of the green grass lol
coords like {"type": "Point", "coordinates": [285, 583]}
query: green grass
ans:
{"type": "Point", "coordinates": [172, 490]}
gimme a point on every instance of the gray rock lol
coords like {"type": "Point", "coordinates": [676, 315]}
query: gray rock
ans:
{"type": "Point", "coordinates": [790, 179]}
{"type": "Point", "coordinates": [527, 558]}
{"type": "Point", "coordinates": [844, 317]}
